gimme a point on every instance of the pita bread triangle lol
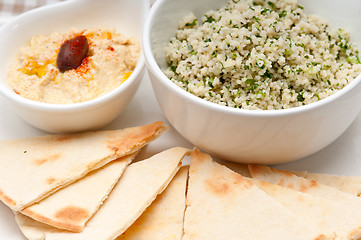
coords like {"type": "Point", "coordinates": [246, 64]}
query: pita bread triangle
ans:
{"type": "Point", "coordinates": [33, 168]}
{"type": "Point", "coordinates": [290, 180]}
{"type": "Point", "coordinates": [136, 190]}
{"type": "Point", "coordinates": [337, 220]}
{"type": "Point", "coordinates": [163, 219]}
{"type": "Point", "coordinates": [348, 184]}
{"type": "Point", "coordinates": [222, 204]}
{"type": "Point", "coordinates": [71, 207]}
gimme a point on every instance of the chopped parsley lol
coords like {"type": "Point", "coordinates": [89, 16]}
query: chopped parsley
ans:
{"type": "Point", "coordinates": [192, 24]}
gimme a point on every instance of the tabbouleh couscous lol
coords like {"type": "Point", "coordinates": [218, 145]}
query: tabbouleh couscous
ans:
{"type": "Point", "coordinates": [259, 54]}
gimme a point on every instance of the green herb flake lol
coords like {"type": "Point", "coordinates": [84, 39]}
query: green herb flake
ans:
{"type": "Point", "coordinates": [192, 24]}
{"type": "Point", "coordinates": [210, 82]}
{"type": "Point", "coordinates": [288, 53]}
{"type": "Point", "coordinates": [300, 45]}
{"type": "Point", "coordinates": [264, 11]}
{"type": "Point", "coordinates": [271, 4]}
{"type": "Point", "coordinates": [300, 97]}
{"type": "Point", "coordinates": [256, 18]}
{"type": "Point", "coordinates": [353, 60]}
{"type": "Point", "coordinates": [268, 74]}
{"type": "Point", "coordinates": [282, 14]}
{"type": "Point", "coordinates": [252, 85]}
{"type": "Point", "coordinates": [214, 54]}
{"type": "Point", "coordinates": [173, 68]}
{"type": "Point", "coordinates": [210, 19]}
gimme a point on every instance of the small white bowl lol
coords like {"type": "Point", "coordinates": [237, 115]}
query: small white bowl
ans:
{"type": "Point", "coordinates": [126, 16]}
{"type": "Point", "coordinates": [250, 136]}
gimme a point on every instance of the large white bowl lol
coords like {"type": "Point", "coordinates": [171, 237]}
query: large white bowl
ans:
{"type": "Point", "coordinates": [126, 16]}
{"type": "Point", "coordinates": [268, 137]}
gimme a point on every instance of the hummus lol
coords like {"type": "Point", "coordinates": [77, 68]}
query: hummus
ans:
{"type": "Point", "coordinates": [110, 61]}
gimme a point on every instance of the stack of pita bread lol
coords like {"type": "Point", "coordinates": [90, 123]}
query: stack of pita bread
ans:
{"type": "Point", "coordinates": [84, 186]}
{"type": "Point", "coordinates": [97, 193]}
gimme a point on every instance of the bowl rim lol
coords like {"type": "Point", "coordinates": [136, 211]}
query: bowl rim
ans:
{"type": "Point", "coordinates": [11, 96]}
{"type": "Point", "coordinates": [155, 69]}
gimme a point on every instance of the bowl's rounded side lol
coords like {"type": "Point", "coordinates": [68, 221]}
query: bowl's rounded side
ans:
{"type": "Point", "coordinates": [85, 118]}
{"type": "Point", "coordinates": [268, 137]}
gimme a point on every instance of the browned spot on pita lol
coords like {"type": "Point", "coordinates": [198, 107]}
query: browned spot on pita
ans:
{"type": "Point", "coordinates": [6, 199]}
{"type": "Point", "coordinates": [135, 136]}
{"type": "Point", "coordinates": [304, 187]}
{"type": "Point", "coordinates": [313, 183]}
{"type": "Point", "coordinates": [72, 213]}
{"type": "Point", "coordinates": [50, 158]}
{"type": "Point", "coordinates": [320, 237]}
{"type": "Point", "coordinates": [60, 224]}
{"type": "Point", "coordinates": [201, 157]}
{"type": "Point", "coordinates": [63, 138]}
{"type": "Point", "coordinates": [284, 172]}
{"type": "Point", "coordinates": [355, 233]}
{"type": "Point", "coordinates": [281, 182]}
{"type": "Point", "coordinates": [219, 188]}
{"type": "Point", "coordinates": [50, 180]}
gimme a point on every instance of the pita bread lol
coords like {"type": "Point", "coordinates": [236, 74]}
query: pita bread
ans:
{"type": "Point", "coordinates": [163, 220]}
{"type": "Point", "coordinates": [32, 168]}
{"type": "Point", "coordinates": [290, 180]}
{"type": "Point", "coordinates": [337, 220]}
{"type": "Point", "coordinates": [222, 204]}
{"type": "Point", "coordinates": [136, 190]}
{"type": "Point", "coordinates": [71, 207]}
{"type": "Point", "coordinates": [348, 184]}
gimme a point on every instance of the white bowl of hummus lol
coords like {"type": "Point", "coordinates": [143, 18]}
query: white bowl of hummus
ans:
{"type": "Point", "coordinates": [73, 66]}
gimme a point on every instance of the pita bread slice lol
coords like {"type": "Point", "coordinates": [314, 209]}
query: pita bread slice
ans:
{"type": "Point", "coordinates": [337, 220]}
{"type": "Point", "coordinates": [136, 190]}
{"type": "Point", "coordinates": [348, 184]}
{"type": "Point", "coordinates": [222, 204]}
{"type": "Point", "coordinates": [71, 207]}
{"type": "Point", "coordinates": [163, 220]}
{"type": "Point", "coordinates": [32, 168]}
{"type": "Point", "coordinates": [290, 180]}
